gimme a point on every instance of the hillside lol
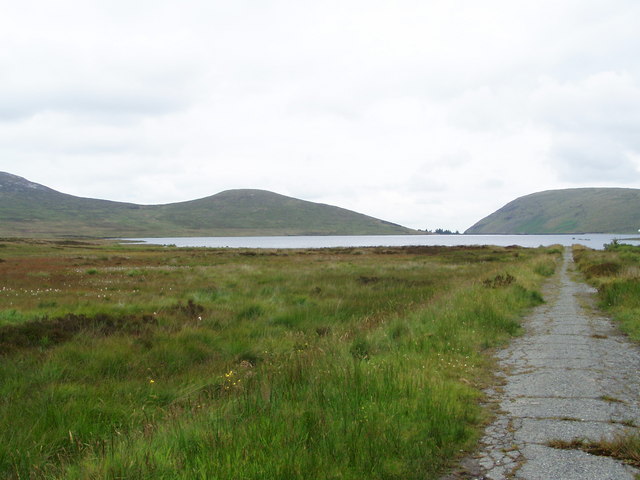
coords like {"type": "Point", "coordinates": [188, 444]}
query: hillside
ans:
{"type": "Point", "coordinates": [578, 210]}
{"type": "Point", "coordinates": [31, 209]}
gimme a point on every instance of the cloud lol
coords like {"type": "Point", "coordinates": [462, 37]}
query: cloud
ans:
{"type": "Point", "coordinates": [605, 101]}
{"type": "Point", "coordinates": [594, 122]}
{"type": "Point", "coordinates": [430, 114]}
{"type": "Point", "coordinates": [88, 59]}
{"type": "Point", "coordinates": [105, 102]}
{"type": "Point", "coordinates": [597, 161]}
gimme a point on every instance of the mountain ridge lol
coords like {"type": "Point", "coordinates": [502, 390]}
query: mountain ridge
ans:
{"type": "Point", "coordinates": [573, 210]}
{"type": "Point", "coordinates": [30, 209]}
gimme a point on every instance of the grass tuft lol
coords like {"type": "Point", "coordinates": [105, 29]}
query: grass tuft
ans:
{"type": "Point", "coordinates": [624, 447]}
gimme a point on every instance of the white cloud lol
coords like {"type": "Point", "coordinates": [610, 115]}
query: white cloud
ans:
{"type": "Point", "coordinates": [595, 122]}
{"type": "Point", "coordinates": [605, 101]}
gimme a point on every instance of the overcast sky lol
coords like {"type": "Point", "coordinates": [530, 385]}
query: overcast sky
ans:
{"type": "Point", "coordinates": [424, 113]}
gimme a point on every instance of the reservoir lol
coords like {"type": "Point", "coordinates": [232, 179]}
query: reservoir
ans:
{"type": "Point", "coordinates": [595, 241]}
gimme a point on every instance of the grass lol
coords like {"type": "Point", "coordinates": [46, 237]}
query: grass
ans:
{"type": "Point", "coordinates": [152, 362]}
{"type": "Point", "coordinates": [615, 272]}
{"type": "Point", "coordinates": [625, 447]}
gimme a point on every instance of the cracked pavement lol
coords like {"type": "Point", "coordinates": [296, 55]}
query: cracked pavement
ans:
{"type": "Point", "coordinates": [572, 375]}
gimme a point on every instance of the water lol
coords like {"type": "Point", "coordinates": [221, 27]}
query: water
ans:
{"type": "Point", "coordinates": [595, 241]}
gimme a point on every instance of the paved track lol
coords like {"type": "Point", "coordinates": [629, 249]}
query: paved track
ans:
{"type": "Point", "coordinates": [571, 375]}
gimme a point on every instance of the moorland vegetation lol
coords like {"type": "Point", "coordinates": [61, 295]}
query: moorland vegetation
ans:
{"type": "Point", "coordinates": [130, 361]}
{"type": "Point", "coordinates": [615, 273]}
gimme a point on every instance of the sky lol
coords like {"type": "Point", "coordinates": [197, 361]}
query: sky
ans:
{"type": "Point", "coordinates": [430, 114]}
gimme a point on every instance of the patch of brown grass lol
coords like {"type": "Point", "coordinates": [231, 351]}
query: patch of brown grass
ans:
{"type": "Point", "coordinates": [47, 332]}
{"type": "Point", "coordinates": [624, 447]}
{"type": "Point", "coordinates": [604, 269]}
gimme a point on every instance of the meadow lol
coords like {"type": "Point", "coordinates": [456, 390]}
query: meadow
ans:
{"type": "Point", "coordinates": [615, 272]}
{"type": "Point", "coordinates": [130, 361]}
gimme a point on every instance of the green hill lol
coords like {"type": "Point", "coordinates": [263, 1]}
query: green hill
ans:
{"type": "Point", "coordinates": [577, 210]}
{"type": "Point", "coordinates": [30, 209]}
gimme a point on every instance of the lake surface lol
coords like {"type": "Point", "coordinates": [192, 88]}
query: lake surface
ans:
{"type": "Point", "coordinates": [595, 241]}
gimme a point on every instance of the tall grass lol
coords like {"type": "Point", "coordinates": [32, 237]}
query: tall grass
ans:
{"type": "Point", "coordinates": [337, 363]}
{"type": "Point", "coordinates": [615, 272]}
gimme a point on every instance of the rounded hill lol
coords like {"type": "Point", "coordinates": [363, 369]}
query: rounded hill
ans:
{"type": "Point", "coordinates": [576, 210]}
{"type": "Point", "coordinates": [30, 209]}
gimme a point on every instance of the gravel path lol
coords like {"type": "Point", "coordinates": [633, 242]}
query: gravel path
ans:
{"type": "Point", "coordinates": [572, 375]}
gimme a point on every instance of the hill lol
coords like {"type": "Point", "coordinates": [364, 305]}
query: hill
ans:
{"type": "Point", "coordinates": [31, 209]}
{"type": "Point", "coordinates": [577, 210]}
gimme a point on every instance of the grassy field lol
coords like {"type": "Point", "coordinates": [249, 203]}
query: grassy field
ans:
{"type": "Point", "coordinates": [615, 272]}
{"type": "Point", "coordinates": [127, 361]}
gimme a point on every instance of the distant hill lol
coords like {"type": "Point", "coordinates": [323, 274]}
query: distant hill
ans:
{"type": "Point", "coordinates": [576, 210]}
{"type": "Point", "coordinates": [31, 209]}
